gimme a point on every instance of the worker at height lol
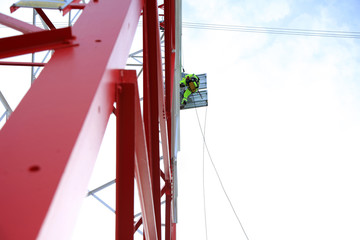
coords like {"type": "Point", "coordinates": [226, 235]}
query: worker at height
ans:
{"type": "Point", "coordinates": [192, 82]}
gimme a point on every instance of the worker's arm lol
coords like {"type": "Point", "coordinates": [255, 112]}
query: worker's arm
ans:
{"type": "Point", "coordinates": [197, 83]}
{"type": "Point", "coordinates": [183, 81]}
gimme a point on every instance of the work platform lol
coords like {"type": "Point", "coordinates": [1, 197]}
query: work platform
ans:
{"type": "Point", "coordinates": [62, 5]}
{"type": "Point", "coordinates": [198, 99]}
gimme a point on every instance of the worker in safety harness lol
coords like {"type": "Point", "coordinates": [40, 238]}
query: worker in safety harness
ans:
{"type": "Point", "coordinates": [192, 82]}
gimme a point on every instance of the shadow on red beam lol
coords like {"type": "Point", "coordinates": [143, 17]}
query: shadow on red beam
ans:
{"type": "Point", "coordinates": [35, 42]}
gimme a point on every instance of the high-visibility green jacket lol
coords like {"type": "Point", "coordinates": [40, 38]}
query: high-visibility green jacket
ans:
{"type": "Point", "coordinates": [192, 78]}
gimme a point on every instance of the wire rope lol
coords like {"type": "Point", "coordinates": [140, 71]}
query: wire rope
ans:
{"type": "Point", "coordinates": [256, 29]}
{"type": "Point", "coordinates": [203, 175]}
{"type": "Point", "coordinates": [272, 30]}
{"type": "Point", "coordinates": [218, 176]}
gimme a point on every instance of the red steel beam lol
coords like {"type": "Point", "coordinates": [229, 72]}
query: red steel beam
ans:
{"type": "Point", "coordinates": [169, 11]}
{"type": "Point", "coordinates": [69, 7]}
{"type": "Point", "coordinates": [49, 146]}
{"type": "Point", "coordinates": [18, 25]}
{"type": "Point", "coordinates": [164, 190]}
{"type": "Point", "coordinates": [147, 120]}
{"type": "Point", "coordinates": [37, 41]}
{"type": "Point", "coordinates": [142, 169]}
{"type": "Point", "coordinates": [173, 231]}
{"type": "Point", "coordinates": [168, 50]}
{"type": "Point", "coordinates": [28, 64]}
{"type": "Point", "coordinates": [152, 58]}
{"type": "Point", "coordinates": [169, 60]}
{"type": "Point", "coordinates": [137, 224]}
{"type": "Point", "coordinates": [125, 160]}
{"type": "Point", "coordinates": [154, 103]}
{"type": "Point", "coordinates": [168, 221]}
{"type": "Point", "coordinates": [79, 6]}
{"type": "Point", "coordinates": [45, 18]}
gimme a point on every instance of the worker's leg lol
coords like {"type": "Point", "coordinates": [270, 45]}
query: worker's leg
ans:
{"type": "Point", "coordinates": [186, 95]}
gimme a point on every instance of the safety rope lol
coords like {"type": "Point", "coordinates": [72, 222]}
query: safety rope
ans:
{"type": "Point", "coordinates": [218, 176]}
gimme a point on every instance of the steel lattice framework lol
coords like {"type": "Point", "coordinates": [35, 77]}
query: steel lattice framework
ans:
{"type": "Point", "coordinates": [50, 142]}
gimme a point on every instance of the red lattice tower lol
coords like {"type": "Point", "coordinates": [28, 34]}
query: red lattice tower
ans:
{"type": "Point", "coordinates": [49, 144]}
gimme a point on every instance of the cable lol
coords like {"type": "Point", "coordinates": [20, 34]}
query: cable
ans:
{"type": "Point", "coordinates": [254, 29]}
{"type": "Point", "coordinates": [270, 30]}
{"type": "Point", "coordinates": [203, 180]}
{"type": "Point", "coordinates": [218, 176]}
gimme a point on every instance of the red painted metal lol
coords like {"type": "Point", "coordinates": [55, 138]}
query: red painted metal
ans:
{"type": "Point", "coordinates": [164, 190]}
{"type": "Point", "coordinates": [70, 6]}
{"type": "Point", "coordinates": [137, 224]}
{"type": "Point", "coordinates": [37, 41]}
{"type": "Point", "coordinates": [162, 175]}
{"type": "Point", "coordinates": [142, 169]}
{"type": "Point", "coordinates": [73, 5]}
{"type": "Point", "coordinates": [45, 18]}
{"type": "Point", "coordinates": [59, 137]}
{"type": "Point", "coordinates": [18, 25]}
{"type": "Point", "coordinates": [168, 219]}
{"type": "Point", "coordinates": [169, 59]}
{"type": "Point", "coordinates": [49, 146]}
{"type": "Point", "coordinates": [125, 160]}
{"type": "Point", "coordinates": [28, 64]}
{"type": "Point", "coordinates": [169, 10]}
{"type": "Point", "coordinates": [152, 63]}
{"type": "Point", "coordinates": [79, 6]}
{"type": "Point", "coordinates": [173, 231]}
{"type": "Point", "coordinates": [154, 104]}
{"type": "Point", "coordinates": [13, 8]}
{"type": "Point", "coordinates": [147, 112]}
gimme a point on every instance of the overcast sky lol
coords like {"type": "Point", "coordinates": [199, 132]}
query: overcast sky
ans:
{"type": "Point", "coordinates": [282, 128]}
{"type": "Point", "coordinates": [282, 123]}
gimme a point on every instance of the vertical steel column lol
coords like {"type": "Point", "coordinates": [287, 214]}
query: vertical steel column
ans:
{"type": "Point", "coordinates": [146, 94]}
{"type": "Point", "coordinates": [169, 8]}
{"type": "Point", "coordinates": [125, 160]}
{"type": "Point", "coordinates": [169, 64]}
{"type": "Point", "coordinates": [152, 67]}
{"type": "Point", "coordinates": [168, 220]}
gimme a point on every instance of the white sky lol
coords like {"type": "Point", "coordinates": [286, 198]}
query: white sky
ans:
{"type": "Point", "coordinates": [283, 125]}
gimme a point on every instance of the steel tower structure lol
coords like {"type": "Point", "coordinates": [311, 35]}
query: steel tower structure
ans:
{"type": "Point", "coordinates": [50, 142]}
